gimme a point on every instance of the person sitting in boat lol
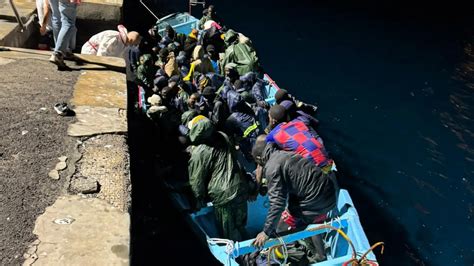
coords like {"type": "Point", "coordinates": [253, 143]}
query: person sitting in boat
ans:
{"type": "Point", "coordinates": [295, 136]}
{"type": "Point", "coordinates": [299, 192]}
{"type": "Point", "coordinates": [294, 114]}
{"type": "Point", "coordinates": [167, 61]}
{"type": "Point", "coordinates": [231, 77]}
{"type": "Point", "coordinates": [171, 36]}
{"type": "Point", "coordinates": [282, 95]}
{"type": "Point", "coordinates": [201, 63]}
{"type": "Point", "coordinates": [111, 42]}
{"type": "Point", "coordinates": [215, 175]}
{"type": "Point", "coordinates": [213, 56]}
{"type": "Point", "coordinates": [209, 14]}
{"type": "Point", "coordinates": [241, 124]}
{"type": "Point", "coordinates": [212, 35]}
{"type": "Point", "coordinates": [146, 72]}
{"type": "Point", "coordinates": [241, 54]}
{"type": "Point", "coordinates": [255, 86]}
{"type": "Point", "coordinates": [190, 43]}
{"type": "Point", "coordinates": [276, 115]}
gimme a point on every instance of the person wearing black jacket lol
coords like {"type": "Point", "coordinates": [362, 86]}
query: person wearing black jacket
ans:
{"type": "Point", "coordinates": [310, 193]}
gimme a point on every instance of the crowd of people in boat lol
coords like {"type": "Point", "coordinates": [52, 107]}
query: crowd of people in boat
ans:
{"type": "Point", "coordinates": [208, 90]}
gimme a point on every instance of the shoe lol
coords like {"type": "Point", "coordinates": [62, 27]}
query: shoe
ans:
{"type": "Point", "coordinates": [62, 109]}
{"type": "Point", "coordinates": [58, 59]}
{"type": "Point", "coordinates": [70, 56]}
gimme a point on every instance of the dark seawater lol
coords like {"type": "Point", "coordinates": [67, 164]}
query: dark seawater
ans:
{"type": "Point", "coordinates": [395, 87]}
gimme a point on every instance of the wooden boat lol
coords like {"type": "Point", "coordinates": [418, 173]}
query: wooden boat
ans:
{"type": "Point", "coordinates": [344, 235]}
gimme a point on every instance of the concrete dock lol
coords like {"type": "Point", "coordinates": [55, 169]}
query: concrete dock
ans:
{"type": "Point", "coordinates": [65, 187]}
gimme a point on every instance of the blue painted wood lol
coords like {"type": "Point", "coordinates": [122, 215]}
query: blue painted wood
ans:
{"type": "Point", "coordinates": [246, 247]}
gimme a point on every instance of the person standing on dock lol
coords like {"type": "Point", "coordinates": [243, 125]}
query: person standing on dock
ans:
{"type": "Point", "coordinates": [64, 29]}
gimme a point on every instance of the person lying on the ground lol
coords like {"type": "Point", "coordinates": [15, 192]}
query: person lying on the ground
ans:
{"type": "Point", "coordinates": [214, 174]}
{"type": "Point", "coordinates": [298, 191]}
{"type": "Point", "coordinates": [111, 42]}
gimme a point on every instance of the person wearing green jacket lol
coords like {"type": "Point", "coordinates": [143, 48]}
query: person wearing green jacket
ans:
{"type": "Point", "coordinates": [240, 53]}
{"type": "Point", "coordinates": [215, 175]}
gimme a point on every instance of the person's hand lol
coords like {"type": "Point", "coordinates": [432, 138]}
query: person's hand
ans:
{"type": "Point", "coordinates": [43, 29]}
{"type": "Point", "coordinates": [260, 239]}
{"type": "Point", "coordinates": [253, 197]}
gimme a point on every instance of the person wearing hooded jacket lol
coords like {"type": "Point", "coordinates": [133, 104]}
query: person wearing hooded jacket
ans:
{"type": "Point", "coordinates": [241, 124]}
{"type": "Point", "coordinates": [242, 54]}
{"type": "Point", "coordinates": [298, 191]}
{"type": "Point", "coordinates": [215, 175]}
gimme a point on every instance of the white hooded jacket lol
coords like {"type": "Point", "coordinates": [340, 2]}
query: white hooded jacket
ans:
{"type": "Point", "coordinates": [105, 43]}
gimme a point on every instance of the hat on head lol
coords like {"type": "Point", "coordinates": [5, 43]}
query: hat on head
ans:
{"type": "Point", "coordinates": [154, 100]}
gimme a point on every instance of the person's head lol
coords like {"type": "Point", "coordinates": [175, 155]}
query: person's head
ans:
{"type": "Point", "coordinates": [290, 107]}
{"type": "Point", "coordinates": [276, 115]}
{"type": "Point", "coordinates": [193, 99]}
{"type": "Point", "coordinates": [230, 37]}
{"type": "Point", "coordinates": [170, 31]}
{"type": "Point", "coordinates": [231, 72]}
{"type": "Point", "coordinates": [164, 54]}
{"type": "Point", "coordinates": [211, 51]}
{"type": "Point", "coordinates": [281, 95]}
{"type": "Point", "coordinates": [168, 93]}
{"type": "Point", "coordinates": [133, 38]}
{"type": "Point", "coordinates": [203, 81]}
{"type": "Point", "coordinates": [209, 93]}
{"type": "Point", "coordinates": [211, 9]}
{"type": "Point", "coordinates": [160, 82]}
{"type": "Point", "coordinates": [258, 147]}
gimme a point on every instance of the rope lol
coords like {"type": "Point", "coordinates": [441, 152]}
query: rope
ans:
{"type": "Point", "coordinates": [229, 247]}
{"type": "Point", "coordinates": [354, 260]}
{"type": "Point", "coordinates": [274, 249]}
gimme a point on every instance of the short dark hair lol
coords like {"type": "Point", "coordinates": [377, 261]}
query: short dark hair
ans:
{"type": "Point", "coordinates": [278, 113]}
{"type": "Point", "coordinates": [257, 150]}
{"type": "Point", "coordinates": [281, 95]}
